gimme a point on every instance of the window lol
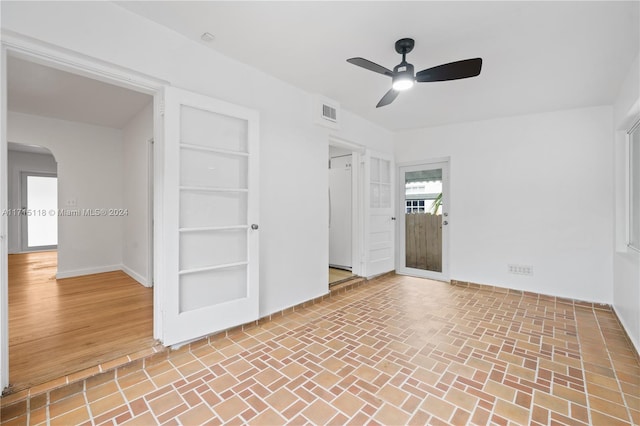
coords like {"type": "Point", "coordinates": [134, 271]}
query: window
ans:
{"type": "Point", "coordinates": [415, 206]}
{"type": "Point", "coordinates": [422, 190]}
{"type": "Point", "coordinates": [380, 183]}
{"type": "Point", "coordinates": [634, 187]}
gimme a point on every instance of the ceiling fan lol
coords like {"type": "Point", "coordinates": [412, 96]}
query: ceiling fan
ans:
{"type": "Point", "coordinates": [403, 78]}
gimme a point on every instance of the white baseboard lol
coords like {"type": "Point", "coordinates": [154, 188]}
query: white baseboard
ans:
{"type": "Point", "coordinates": [136, 276]}
{"type": "Point", "coordinates": [87, 271]}
{"type": "Point", "coordinates": [79, 272]}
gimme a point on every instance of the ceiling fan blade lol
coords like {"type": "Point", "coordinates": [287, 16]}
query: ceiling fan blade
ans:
{"type": "Point", "coordinates": [371, 66]}
{"type": "Point", "coordinates": [451, 71]}
{"type": "Point", "coordinates": [388, 97]}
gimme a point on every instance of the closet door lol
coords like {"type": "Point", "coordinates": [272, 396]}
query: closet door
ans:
{"type": "Point", "coordinates": [210, 216]}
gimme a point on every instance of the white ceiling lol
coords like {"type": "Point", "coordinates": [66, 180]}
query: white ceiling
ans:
{"type": "Point", "coordinates": [35, 89]}
{"type": "Point", "coordinates": [538, 56]}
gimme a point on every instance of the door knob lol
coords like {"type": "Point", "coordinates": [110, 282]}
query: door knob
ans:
{"type": "Point", "coordinates": [254, 226]}
{"type": "Point", "coordinates": [445, 223]}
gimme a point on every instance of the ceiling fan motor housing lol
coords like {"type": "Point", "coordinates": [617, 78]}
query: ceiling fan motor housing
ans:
{"type": "Point", "coordinates": [403, 76]}
{"type": "Point", "coordinates": [403, 72]}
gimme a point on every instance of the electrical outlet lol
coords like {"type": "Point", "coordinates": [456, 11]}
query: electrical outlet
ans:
{"type": "Point", "coordinates": [520, 269]}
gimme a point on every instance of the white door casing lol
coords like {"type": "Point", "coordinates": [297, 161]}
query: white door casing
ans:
{"type": "Point", "coordinates": [379, 220]}
{"type": "Point", "coordinates": [210, 209]}
{"type": "Point", "coordinates": [4, 248]}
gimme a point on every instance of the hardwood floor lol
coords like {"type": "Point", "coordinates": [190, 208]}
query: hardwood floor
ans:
{"type": "Point", "coordinates": [57, 327]}
{"type": "Point", "coordinates": [338, 275]}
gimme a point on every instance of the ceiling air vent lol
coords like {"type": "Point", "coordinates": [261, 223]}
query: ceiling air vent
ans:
{"type": "Point", "coordinates": [326, 112]}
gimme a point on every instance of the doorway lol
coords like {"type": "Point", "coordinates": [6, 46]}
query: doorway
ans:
{"type": "Point", "coordinates": [96, 279]}
{"type": "Point", "coordinates": [423, 219]}
{"type": "Point", "coordinates": [344, 192]}
{"type": "Point", "coordinates": [39, 193]}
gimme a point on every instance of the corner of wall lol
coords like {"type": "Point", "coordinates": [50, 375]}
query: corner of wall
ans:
{"type": "Point", "coordinates": [626, 262]}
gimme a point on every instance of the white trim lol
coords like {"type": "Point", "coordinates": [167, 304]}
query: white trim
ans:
{"type": "Point", "coordinates": [627, 190]}
{"type": "Point", "coordinates": [43, 53]}
{"type": "Point", "coordinates": [87, 271]}
{"type": "Point", "coordinates": [635, 126]}
{"type": "Point", "coordinates": [150, 207]}
{"type": "Point", "coordinates": [347, 144]}
{"type": "Point", "coordinates": [4, 246]}
{"type": "Point", "coordinates": [158, 277]}
{"type": "Point", "coordinates": [101, 270]}
{"type": "Point", "coordinates": [424, 162]}
{"type": "Point", "coordinates": [139, 278]}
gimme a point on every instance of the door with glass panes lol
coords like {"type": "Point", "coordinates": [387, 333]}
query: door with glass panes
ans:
{"type": "Point", "coordinates": [379, 234]}
{"type": "Point", "coordinates": [210, 210]}
{"type": "Point", "coordinates": [423, 220]}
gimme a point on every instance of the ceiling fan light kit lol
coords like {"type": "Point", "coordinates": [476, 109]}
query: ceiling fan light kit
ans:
{"type": "Point", "coordinates": [403, 76]}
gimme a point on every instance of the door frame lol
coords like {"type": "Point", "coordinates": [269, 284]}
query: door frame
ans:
{"type": "Point", "coordinates": [400, 223]}
{"type": "Point", "coordinates": [357, 202]}
{"type": "Point", "coordinates": [150, 205]}
{"type": "Point", "coordinates": [24, 226]}
{"type": "Point", "coordinates": [31, 50]}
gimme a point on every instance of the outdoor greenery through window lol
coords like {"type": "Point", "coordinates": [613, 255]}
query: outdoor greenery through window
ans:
{"type": "Point", "coordinates": [634, 186]}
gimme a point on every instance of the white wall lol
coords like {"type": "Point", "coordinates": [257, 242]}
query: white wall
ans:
{"type": "Point", "coordinates": [136, 188]}
{"type": "Point", "coordinates": [528, 190]}
{"type": "Point", "coordinates": [293, 151]}
{"type": "Point", "coordinates": [18, 162]}
{"type": "Point", "coordinates": [89, 171]}
{"type": "Point", "coordinates": [626, 262]}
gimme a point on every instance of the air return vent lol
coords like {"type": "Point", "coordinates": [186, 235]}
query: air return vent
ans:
{"type": "Point", "coordinates": [329, 113]}
{"type": "Point", "coordinates": [326, 112]}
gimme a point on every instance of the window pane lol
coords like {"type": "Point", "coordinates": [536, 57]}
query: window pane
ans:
{"type": "Point", "coordinates": [213, 130]}
{"type": "Point", "coordinates": [375, 170]}
{"type": "Point", "coordinates": [375, 195]}
{"type": "Point", "coordinates": [385, 171]}
{"type": "Point", "coordinates": [202, 289]}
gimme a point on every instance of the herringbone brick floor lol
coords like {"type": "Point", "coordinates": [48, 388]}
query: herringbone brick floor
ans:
{"type": "Point", "coordinates": [399, 350]}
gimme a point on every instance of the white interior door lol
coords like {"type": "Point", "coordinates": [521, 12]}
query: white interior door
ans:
{"type": "Point", "coordinates": [210, 216]}
{"type": "Point", "coordinates": [423, 219]}
{"type": "Point", "coordinates": [380, 224]}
